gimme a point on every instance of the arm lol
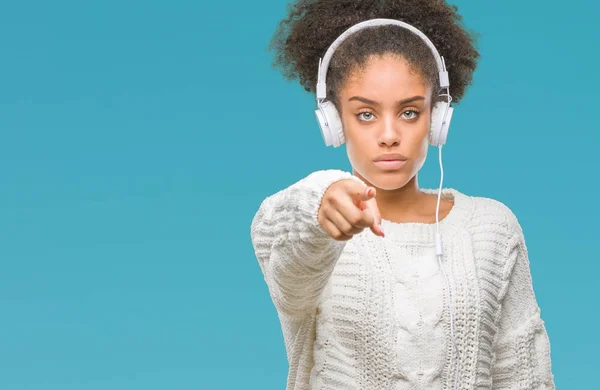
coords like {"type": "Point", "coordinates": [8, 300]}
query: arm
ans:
{"type": "Point", "coordinates": [521, 351]}
{"type": "Point", "coordinates": [295, 254]}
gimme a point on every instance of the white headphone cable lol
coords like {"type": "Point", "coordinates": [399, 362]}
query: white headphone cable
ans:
{"type": "Point", "coordinates": [439, 255]}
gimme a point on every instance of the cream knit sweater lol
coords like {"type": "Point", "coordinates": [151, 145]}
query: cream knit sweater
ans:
{"type": "Point", "coordinates": [371, 312]}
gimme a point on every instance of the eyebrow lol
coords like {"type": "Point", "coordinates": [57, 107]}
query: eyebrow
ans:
{"type": "Point", "coordinates": [373, 102]}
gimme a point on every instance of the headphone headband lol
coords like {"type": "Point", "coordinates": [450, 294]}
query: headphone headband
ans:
{"type": "Point", "coordinates": [324, 62]}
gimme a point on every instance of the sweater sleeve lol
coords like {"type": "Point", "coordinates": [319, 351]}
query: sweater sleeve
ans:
{"type": "Point", "coordinates": [296, 255]}
{"type": "Point", "coordinates": [521, 352]}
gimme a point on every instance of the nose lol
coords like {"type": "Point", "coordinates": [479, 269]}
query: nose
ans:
{"type": "Point", "coordinates": [389, 133]}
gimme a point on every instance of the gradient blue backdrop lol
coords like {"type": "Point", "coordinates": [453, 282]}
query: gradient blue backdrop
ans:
{"type": "Point", "coordinates": [138, 139]}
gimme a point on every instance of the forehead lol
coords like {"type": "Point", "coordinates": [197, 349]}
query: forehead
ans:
{"type": "Point", "coordinates": [384, 74]}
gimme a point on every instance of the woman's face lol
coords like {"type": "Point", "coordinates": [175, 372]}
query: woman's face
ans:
{"type": "Point", "coordinates": [385, 108]}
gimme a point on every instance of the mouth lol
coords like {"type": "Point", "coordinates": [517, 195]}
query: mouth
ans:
{"type": "Point", "coordinates": [390, 164]}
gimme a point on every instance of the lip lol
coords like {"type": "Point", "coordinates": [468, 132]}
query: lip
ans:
{"type": "Point", "coordinates": [391, 156]}
{"type": "Point", "coordinates": [390, 164]}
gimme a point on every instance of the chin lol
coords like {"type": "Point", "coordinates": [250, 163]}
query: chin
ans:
{"type": "Point", "coordinates": [387, 180]}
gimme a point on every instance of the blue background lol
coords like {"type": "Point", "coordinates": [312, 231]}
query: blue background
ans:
{"type": "Point", "coordinates": [138, 139]}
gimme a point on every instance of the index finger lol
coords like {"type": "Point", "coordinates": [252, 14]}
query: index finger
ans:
{"type": "Point", "coordinates": [376, 227]}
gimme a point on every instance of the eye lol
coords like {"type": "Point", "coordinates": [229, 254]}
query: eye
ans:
{"type": "Point", "coordinates": [367, 118]}
{"type": "Point", "coordinates": [416, 113]}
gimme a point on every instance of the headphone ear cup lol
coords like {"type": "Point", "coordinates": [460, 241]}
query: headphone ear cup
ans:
{"type": "Point", "coordinates": [330, 124]}
{"type": "Point", "coordinates": [440, 125]}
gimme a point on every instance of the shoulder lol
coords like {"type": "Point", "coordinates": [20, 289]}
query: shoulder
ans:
{"type": "Point", "coordinates": [493, 213]}
{"type": "Point", "coordinates": [495, 229]}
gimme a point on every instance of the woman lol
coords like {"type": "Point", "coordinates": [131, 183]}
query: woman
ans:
{"type": "Point", "coordinates": [378, 308]}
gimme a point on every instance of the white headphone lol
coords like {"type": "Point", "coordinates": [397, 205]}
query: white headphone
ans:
{"type": "Point", "coordinates": [328, 116]}
{"type": "Point", "coordinates": [333, 134]}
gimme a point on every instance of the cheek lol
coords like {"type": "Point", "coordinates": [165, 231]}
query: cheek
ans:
{"type": "Point", "coordinates": [353, 141]}
{"type": "Point", "coordinates": [357, 149]}
{"type": "Point", "coordinates": [353, 149]}
{"type": "Point", "coordinates": [420, 147]}
{"type": "Point", "coordinates": [423, 142]}
{"type": "Point", "coordinates": [422, 157]}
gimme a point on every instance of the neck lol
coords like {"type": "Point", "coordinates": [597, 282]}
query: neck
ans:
{"type": "Point", "coordinates": [402, 203]}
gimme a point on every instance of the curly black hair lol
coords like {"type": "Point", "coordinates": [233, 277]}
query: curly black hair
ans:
{"type": "Point", "coordinates": [311, 26]}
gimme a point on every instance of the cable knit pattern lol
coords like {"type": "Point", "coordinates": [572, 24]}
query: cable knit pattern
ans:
{"type": "Point", "coordinates": [371, 312]}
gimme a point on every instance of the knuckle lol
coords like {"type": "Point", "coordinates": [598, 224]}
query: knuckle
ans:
{"type": "Point", "coordinates": [333, 199]}
{"type": "Point", "coordinates": [349, 185]}
{"type": "Point", "coordinates": [337, 235]}
{"type": "Point", "coordinates": [355, 219]}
